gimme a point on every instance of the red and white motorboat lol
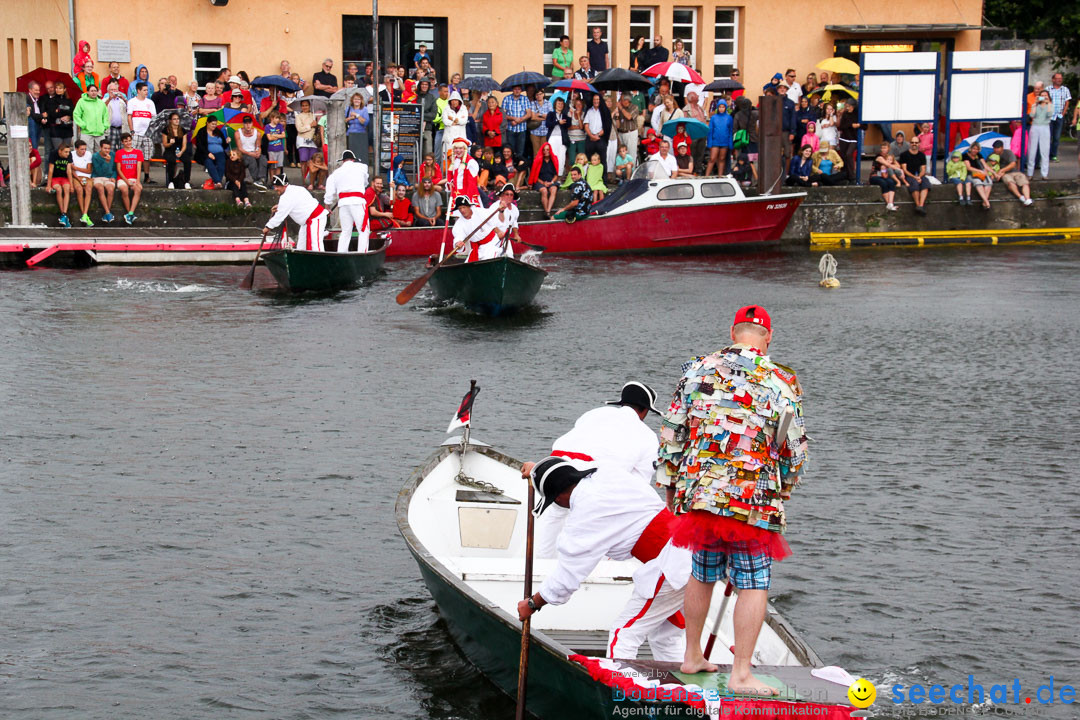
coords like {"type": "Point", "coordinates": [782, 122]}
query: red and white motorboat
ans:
{"type": "Point", "coordinates": [644, 215]}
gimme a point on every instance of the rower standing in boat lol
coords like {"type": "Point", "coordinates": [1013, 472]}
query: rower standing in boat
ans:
{"type": "Point", "coordinates": [728, 474]}
{"type": "Point", "coordinates": [297, 203]}
{"type": "Point", "coordinates": [612, 514]}
{"type": "Point", "coordinates": [614, 435]}
{"type": "Point", "coordinates": [347, 186]}
{"type": "Point", "coordinates": [468, 220]}
{"type": "Point", "coordinates": [508, 219]}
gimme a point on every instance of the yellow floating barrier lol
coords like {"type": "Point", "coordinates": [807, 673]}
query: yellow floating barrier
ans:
{"type": "Point", "coordinates": [944, 238]}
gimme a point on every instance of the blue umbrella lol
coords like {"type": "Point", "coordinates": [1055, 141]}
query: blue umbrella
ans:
{"type": "Point", "coordinates": [275, 81]}
{"type": "Point", "coordinates": [986, 142]}
{"type": "Point", "coordinates": [694, 128]}
{"type": "Point", "coordinates": [479, 84]}
{"type": "Point", "coordinates": [523, 79]}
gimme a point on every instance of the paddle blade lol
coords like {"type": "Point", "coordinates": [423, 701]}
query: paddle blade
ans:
{"type": "Point", "coordinates": [414, 287]}
{"type": "Point", "coordinates": [249, 279]}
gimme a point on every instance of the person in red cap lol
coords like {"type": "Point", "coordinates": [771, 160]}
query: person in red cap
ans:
{"type": "Point", "coordinates": [732, 446]}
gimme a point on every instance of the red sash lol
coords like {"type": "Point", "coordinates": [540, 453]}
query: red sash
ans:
{"type": "Point", "coordinates": [319, 210]}
{"type": "Point", "coordinates": [572, 455]}
{"type": "Point", "coordinates": [474, 254]}
{"type": "Point", "coordinates": [655, 536]}
{"type": "Point", "coordinates": [352, 194]}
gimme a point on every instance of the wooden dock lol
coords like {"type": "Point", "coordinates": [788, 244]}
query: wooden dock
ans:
{"type": "Point", "coordinates": [31, 246]}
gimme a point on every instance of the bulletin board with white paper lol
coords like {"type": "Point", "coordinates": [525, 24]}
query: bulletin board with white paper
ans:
{"type": "Point", "coordinates": [899, 87]}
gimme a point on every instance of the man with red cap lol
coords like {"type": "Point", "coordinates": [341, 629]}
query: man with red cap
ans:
{"type": "Point", "coordinates": [613, 515]}
{"type": "Point", "coordinates": [732, 446]}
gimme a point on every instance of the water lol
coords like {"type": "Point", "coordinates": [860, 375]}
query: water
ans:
{"type": "Point", "coordinates": [197, 483]}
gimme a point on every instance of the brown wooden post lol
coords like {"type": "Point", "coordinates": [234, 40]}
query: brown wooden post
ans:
{"type": "Point", "coordinates": [770, 144]}
{"type": "Point", "coordinates": [15, 104]}
{"type": "Point", "coordinates": [335, 145]}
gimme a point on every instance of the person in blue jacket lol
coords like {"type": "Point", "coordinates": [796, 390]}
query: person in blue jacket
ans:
{"type": "Point", "coordinates": [719, 138]}
{"type": "Point", "coordinates": [801, 169]}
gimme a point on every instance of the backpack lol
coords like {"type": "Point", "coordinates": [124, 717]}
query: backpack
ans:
{"type": "Point", "coordinates": [741, 139]}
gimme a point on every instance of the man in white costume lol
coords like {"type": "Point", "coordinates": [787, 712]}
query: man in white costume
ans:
{"type": "Point", "coordinates": [614, 435]}
{"type": "Point", "coordinates": [347, 186]}
{"type": "Point", "coordinates": [297, 203]}
{"type": "Point", "coordinates": [612, 514]}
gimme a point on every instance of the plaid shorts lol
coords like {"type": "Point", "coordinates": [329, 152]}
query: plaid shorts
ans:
{"type": "Point", "coordinates": [748, 572]}
{"type": "Point", "coordinates": [144, 143]}
{"type": "Point", "coordinates": [114, 137]}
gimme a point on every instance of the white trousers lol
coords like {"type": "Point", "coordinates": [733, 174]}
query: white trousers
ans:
{"type": "Point", "coordinates": [557, 147]}
{"type": "Point", "coordinates": [630, 140]}
{"type": "Point", "coordinates": [1039, 143]}
{"type": "Point", "coordinates": [352, 216]}
{"type": "Point", "coordinates": [646, 617]}
{"type": "Point", "coordinates": [311, 233]}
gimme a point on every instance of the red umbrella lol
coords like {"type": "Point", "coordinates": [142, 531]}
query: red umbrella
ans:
{"type": "Point", "coordinates": [22, 83]}
{"type": "Point", "coordinates": [676, 72]}
{"type": "Point", "coordinates": [574, 84]}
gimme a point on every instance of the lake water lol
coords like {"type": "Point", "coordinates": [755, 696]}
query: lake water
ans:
{"type": "Point", "coordinates": [197, 483]}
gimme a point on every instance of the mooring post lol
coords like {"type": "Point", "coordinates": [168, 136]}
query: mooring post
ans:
{"type": "Point", "coordinates": [335, 145]}
{"type": "Point", "coordinates": [15, 107]}
{"type": "Point", "coordinates": [770, 144]}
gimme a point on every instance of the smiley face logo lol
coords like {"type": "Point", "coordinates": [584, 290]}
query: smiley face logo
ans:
{"type": "Point", "coordinates": [862, 693]}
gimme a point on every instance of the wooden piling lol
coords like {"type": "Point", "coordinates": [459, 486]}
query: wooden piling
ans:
{"type": "Point", "coordinates": [770, 145]}
{"type": "Point", "coordinates": [15, 107]}
{"type": "Point", "coordinates": [335, 144]}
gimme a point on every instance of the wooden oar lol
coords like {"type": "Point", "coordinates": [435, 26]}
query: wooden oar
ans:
{"type": "Point", "coordinates": [526, 627]}
{"type": "Point", "coordinates": [415, 286]}
{"type": "Point", "coordinates": [250, 279]}
{"type": "Point", "coordinates": [719, 616]}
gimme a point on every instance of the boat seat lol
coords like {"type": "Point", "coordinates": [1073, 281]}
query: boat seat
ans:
{"type": "Point", "coordinates": [512, 569]}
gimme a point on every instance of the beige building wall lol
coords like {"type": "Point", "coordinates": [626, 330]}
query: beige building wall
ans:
{"type": "Point", "coordinates": [258, 35]}
{"type": "Point", "coordinates": [34, 35]}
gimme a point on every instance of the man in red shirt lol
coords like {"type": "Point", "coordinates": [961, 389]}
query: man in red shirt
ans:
{"type": "Point", "coordinates": [129, 162]}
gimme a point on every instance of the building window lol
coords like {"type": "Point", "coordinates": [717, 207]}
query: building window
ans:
{"type": "Point", "coordinates": [642, 24]}
{"type": "Point", "coordinates": [726, 45]}
{"type": "Point", "coordinates": [556, 24]}
{"type": "Point", "coordinates": [684, 27]}
{"type": "Point", "coordinates": [600, 17]}
{"type": "Point", "coordinates": [207, 61]}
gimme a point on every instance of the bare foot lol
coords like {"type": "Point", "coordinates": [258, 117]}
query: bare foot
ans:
{"type": "Point", "coordinates": [750, 685]}
{"type": "Point", "coordinates": [692, 666]}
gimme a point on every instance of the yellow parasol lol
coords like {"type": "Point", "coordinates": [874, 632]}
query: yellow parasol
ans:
{"type": "Point", "coordinates": [839, 65]}
{"type": "Point", "coordinates": [827, 92]}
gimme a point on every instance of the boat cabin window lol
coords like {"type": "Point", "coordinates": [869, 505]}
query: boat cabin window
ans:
{"type": "Point", "coordinates": [683, 191]}
{"type": "Point", "coordinates": [717, 189]}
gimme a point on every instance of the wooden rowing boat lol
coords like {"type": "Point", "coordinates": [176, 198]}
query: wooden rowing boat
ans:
{"type": "Point", "coordinates": [500, 286]}
{"type": "Point", "coordinates": [304, 270]}
{"type": "Point", "coordinates": [462, 514]}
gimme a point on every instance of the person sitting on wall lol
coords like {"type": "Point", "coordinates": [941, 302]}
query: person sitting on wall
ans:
{"type": "Point", "coordinates": [581, 198]}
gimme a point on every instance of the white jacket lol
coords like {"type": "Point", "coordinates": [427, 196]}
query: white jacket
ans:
{"type": "Point", "coordinates": [352, 176]}
{"type": "Point", "coordinates": [296, 203]}
{"type": "Point", "coordinates": [616, 438]}
{"type": "Point", "coordinates": [608, 513]}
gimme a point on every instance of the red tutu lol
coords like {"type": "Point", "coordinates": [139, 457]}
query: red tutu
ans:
{"type": "Point", "coordinates": [703, 530]}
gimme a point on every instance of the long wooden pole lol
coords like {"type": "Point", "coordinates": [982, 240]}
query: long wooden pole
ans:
{"type": "Point", "coordinates": [526, 627]}
{"type": "Point", "coordinates": [15, 104]}
{"type": "Point", "coordinates": [376, 72]}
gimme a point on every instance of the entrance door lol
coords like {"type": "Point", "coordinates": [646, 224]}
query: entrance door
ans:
{"type": "Point", "coordinates": [399, 40]}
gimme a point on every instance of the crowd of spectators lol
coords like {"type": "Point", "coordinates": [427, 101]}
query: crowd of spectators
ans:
{"type": "Point", "coordinates": [529, 136]}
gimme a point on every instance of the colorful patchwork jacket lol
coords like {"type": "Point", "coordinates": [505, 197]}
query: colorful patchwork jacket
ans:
{"type": "Point", "coordinates": [717, 442]}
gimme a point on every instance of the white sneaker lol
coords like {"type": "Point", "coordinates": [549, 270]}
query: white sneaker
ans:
{"type": "Point", "coordinates": [171, 186]}
{"type": "Point", "coordinates": [187, 186]}
{"type": "Point", "coordinates": [1027, 201]}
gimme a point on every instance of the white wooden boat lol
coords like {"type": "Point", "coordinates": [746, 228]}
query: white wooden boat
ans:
{"type": "Point", "coordinates": [464, 519]}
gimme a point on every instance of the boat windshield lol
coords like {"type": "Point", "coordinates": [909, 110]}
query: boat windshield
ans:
{"type": "Point", "coordinates": [622, 195]}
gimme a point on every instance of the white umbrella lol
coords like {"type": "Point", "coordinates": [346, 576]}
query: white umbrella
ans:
{"type": "Point", "coordinates": [318, 103]}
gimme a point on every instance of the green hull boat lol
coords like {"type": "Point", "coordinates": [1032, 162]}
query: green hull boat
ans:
{"type": "Point", "coordinates": [301, 270]}
{"type": "Point", "coordinates": [501, 286]}
{"type": "Point", "coordinates": [463, 516]}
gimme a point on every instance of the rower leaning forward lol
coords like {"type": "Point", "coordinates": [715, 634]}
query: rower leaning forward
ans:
{"type": "Point", "coordinates": [297, 203]}
{"type": "Point", "coordinates": [347, 186]}
{"type": "Point", "coordinates": [732, 446]}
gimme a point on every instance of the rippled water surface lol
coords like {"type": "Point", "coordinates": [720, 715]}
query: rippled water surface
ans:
{"type": "Point", "coordinates": [197, 483]}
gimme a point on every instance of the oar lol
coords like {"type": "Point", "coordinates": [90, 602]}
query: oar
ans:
{"type": "Point", "coordinates": [250, 279]}
{"type": "Point", "coordinates": [526, 627]}
{"type": "Point", "coordinates": [719, 616]}
{"type": "Point", "coordinates": [414, 287]}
